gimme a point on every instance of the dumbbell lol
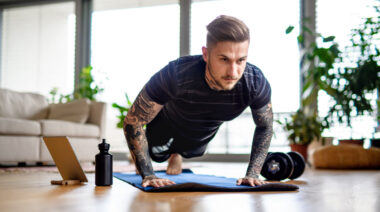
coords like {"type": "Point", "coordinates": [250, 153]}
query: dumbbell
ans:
{"type": "Point", "coordinates": [280, 166]}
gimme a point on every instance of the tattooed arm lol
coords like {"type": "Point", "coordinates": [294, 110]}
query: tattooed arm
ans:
{"type": "Point", "coordinates": [142, 112]}
{"type": "Point", "coordinates": [263, 118]}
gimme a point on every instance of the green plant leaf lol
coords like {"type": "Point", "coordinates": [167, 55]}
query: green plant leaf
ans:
{"type": "Point", "coordinates": [300, 39]}
{"type": "Point", "coordinates": [123, 110]}
{"type": "Point", "coordinates": [289, 29]}
{"type": "Point", "coordinates": [329, 39]}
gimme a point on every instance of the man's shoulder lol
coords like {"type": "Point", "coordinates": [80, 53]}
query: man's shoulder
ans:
{"type": "Point", "coordinates": [185, 60]}
{"type": "Point", "coordinates": [251, 69]}
{"type": "Point", "coordinates": [253, 74]}
{"type": "Point", "coordinates": [187, 65]}
{"type": "Point", "coordinates": [254, 77]}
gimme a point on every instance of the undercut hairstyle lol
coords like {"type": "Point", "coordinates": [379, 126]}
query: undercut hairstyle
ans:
{"type": "Point", "coordinates": [226, 28]}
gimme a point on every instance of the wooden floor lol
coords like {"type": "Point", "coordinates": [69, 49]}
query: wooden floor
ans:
{"type": "Point", "coordinates": [320, 190]}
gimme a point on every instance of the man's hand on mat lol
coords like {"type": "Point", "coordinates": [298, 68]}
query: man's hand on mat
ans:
{"type": "Point", "coordinates": [250, 181]}
{"type": "Point", "coordinates": [156, 182]}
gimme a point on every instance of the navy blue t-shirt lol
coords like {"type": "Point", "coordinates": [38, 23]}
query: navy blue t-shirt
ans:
{"type": "Point", "coordinates": [195, 110]}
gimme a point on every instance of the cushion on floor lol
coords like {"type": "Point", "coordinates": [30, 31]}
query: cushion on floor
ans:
{"type": "Point", "coordinates": [346, 156]}
{"type": "Point", "coordinates": [188, 181]}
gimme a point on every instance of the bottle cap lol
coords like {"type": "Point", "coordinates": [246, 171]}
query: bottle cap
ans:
{"type": "Point", "coordinates": [104, 146]}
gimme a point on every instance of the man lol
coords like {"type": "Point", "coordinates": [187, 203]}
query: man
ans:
{"type": "Point", "coordinates": [184, 104]}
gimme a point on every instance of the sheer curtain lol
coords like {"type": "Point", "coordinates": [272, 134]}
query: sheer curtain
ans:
{"type": "Point", "coordinates": [38, 48]}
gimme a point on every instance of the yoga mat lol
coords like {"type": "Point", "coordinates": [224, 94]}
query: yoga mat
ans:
{"type": "Point", "coordinates": [188, 181]}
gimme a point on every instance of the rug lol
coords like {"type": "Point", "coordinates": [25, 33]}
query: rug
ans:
{"type": "Point", "coordinates": [118, 166]}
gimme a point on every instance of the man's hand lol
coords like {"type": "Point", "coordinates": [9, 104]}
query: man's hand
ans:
{"type": "Point", "coordinates": [250, 181]}
{"type": "Point", "coordinates": [156, 182]}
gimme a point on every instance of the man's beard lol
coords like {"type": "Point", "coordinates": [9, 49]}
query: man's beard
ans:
{"type": "Point", "coordinates": [216, 81]}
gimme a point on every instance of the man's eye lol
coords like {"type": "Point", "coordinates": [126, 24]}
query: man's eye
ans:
{"type": "Point", "coordinates": [223, 59]}
{"type": "Point", "coordinates": [240, 61]}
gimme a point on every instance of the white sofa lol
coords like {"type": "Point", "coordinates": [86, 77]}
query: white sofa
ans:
{"type": "Point", "coordinates": [26, 117]}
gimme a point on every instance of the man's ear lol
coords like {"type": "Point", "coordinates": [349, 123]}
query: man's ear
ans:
{"type": "Point", "coordinates": [204, 53]}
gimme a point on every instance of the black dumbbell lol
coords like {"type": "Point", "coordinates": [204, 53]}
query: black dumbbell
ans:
{"type": "Point", "coordinates": [280, 166]}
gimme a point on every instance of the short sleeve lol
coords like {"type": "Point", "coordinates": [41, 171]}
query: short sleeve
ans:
{"type": "Point", "coordinates": [261, 90]}
{"type": "Point", "coordinates": [162, 86]}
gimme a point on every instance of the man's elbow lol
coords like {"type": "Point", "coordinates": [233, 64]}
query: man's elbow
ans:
{"type": "Point", "coordinates": [266, 128]}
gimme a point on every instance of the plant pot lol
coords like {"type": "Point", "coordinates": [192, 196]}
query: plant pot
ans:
{"type": "Point", "coordinates": [375, 142]}
{"type": "Point", "coordinates": [300, 148]}
{"type": "Point", "coordinates": [352, 141]}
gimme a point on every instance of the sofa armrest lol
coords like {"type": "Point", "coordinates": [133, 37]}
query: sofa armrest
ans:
{"type": "Point", "coordinates": [97, 116]}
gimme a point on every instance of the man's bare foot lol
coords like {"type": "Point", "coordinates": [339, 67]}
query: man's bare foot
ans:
{"type": "Point", "coordinates": [174, 164]}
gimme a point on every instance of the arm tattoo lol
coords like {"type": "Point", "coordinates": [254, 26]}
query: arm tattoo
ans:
{"type": "Point", "coordinates": [142, 112]}
{"type": "Point", "coordinates": [263, 118]}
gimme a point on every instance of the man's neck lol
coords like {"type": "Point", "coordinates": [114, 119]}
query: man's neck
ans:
{"type": "Point", "coordinates": [211, 81]}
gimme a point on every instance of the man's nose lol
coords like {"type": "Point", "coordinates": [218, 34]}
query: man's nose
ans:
{"type": "Point", "coordinates": [233, 69]}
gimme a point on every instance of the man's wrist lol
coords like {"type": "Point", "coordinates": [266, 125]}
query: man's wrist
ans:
{"type": "Point", "coordinates": [150, 177]}
{"type": "Point", "coordinates": [252, 175]}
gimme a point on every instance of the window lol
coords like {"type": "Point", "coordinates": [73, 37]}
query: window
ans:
{"type": "Point", "coordinates": [274, 52]}
{"type": "Point", "coordinates": [38, 48]}
{"type": "Point", "coordinates": [128, 46]}
{"type": "Point", "coordinates": [338, 18]}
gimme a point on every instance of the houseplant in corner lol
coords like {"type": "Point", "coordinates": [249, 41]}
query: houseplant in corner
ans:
{"type": "Point", "coordinates": [87, 89]}
{"type": "Point", "coordinates": [359, 82]}
{"type": "Point", "coordinates": [317, 61]}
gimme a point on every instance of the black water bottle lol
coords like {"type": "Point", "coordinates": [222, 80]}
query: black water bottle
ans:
{"type": "Point", "coordinates": [103, 165]}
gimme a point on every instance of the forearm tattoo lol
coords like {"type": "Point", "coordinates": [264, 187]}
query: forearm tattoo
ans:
{"type": "Point", "coordinates": [263, 118]}
{"type": "Point", "coordinates": [142, 112]}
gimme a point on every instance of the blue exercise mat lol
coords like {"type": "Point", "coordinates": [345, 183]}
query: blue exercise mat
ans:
{"type": "Point", "coordinates": [188, 181]}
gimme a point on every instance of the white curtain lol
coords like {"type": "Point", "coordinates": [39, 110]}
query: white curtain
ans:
{"type": "Point", "coordinates": [38, 48]}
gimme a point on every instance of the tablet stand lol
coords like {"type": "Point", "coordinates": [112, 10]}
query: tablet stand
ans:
{"type": "Point", "coordinates": [65, 182]}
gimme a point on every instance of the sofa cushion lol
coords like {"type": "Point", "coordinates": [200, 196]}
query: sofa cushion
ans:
{"type": "Point", "coordinates": [75, 111]}
{"type": "Point", "coordinates": [85, 149]}
{"type": "Point", "coordinates": [22, 105]}
{"type": "Point", "coordinates": [67, 128]}
{"type": "Point", "coordinates": [19, 148]}
{"type": "Point", "coordinates": [12, 126]}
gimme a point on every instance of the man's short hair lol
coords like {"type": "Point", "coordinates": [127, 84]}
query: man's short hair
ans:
{"type": "Point", "coordinates": [226, 28]}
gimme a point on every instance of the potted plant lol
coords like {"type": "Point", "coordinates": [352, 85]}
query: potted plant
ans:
{"type": "Point", "coordinates": [303, 129]}
{"type": "Point", "coordinates": [317, 61]}
{"type": "Point", "coordinates": [123, 110]}
{"type": "Point", "coordinates": [359, 79]}
{"type": "Point", "coordinates": [87, 89]}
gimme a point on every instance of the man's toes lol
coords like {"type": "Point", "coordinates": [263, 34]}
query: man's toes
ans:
{"type": "Point", "coordinates": [173, 171]}
{"type": "Point", "coordinates": [169, 171]}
